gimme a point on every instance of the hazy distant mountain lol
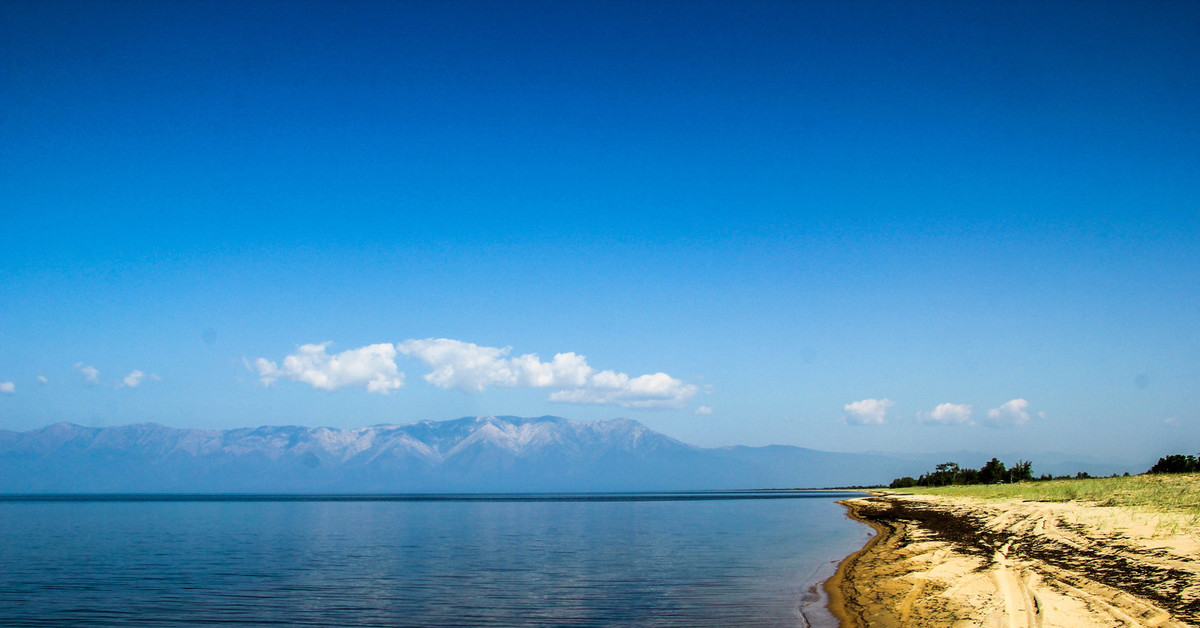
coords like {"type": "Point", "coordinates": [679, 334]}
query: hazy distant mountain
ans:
{"type": "Point", "coordinates": [465, 455]}
{"type": "Point", "coordinates": [484, 454]}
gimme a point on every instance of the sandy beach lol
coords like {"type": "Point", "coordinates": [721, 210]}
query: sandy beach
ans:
{"type": "Point", "coordinates": [959, 562]}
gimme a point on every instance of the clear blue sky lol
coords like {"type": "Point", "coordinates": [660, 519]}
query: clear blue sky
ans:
{"type": "Point", "coordinates": [827, 224]}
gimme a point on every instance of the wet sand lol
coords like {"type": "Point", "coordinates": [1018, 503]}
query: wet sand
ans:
{"type": "Point", "coordinates": [960, 562]}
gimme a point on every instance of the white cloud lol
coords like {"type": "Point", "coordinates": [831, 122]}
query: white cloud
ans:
{"type": "Point", "coordinates": [90, 374]}
{"type": "Point", "coordinates": [474, 368]}
{"type": "Point", "coordinates": [704, 410]}
{"type": "Point", "coordinates": [1172, 420]}
{"type": "Point", "coordinates": [949, 414]}
{"type": "Point", "coordinates": [647, 391]}
{"type": "Point", "coordinates": [134, 378]}
{"type": "Point", "coordinates": [372, 366]}
{"type": "Point", "coordinates": [1010, 413]}
{"type": "Point", "coordinates": [42, 379]}
{"type": "Point", "coordinates": [8, 388]}
{"type": "Point", "coordinates": [868, 411]}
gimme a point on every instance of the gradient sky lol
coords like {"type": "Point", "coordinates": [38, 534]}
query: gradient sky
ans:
{"type": "Point", "coordinates": [852, 226]}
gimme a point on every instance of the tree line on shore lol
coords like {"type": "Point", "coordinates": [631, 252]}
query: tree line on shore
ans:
{"type": "Point", "coordinates": [1177, 463]}
{"type": "Point", "coordinates": [948, 473]}
{"type": "Point", "coordinates": [994, 472]}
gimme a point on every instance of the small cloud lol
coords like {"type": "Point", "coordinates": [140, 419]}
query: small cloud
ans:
{"type": "Point", "coordinates": [1042, 414]}
{"type": "Point", "coordinates": [1172, 420]}
{"type": "Point", "coordinates": [133, 379]}
{"type": "Point", "coordinates": [90, 374]}
{"type": "Point", "coordinates": [868, 411]}
{"type": "Point", "coordinates": [372, 366]}
{"type": "Point", "coordinates": [1011, 413]}
{"type": "Point", "coordinates": [949, 414]}
{"type": "Point", "coordinates": [42, 380]}
{"type": "Point", "coordinates": [8, 388]}
{"type": "Point", "coordinates": [704, 410]}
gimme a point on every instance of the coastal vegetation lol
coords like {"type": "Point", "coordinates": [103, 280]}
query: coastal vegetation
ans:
{"type": "Point", "coordinates": [950, 474]}
{"type": "Point", "coordinates": [995, 472]}
{"type": "Point", "coordinates": [1158, 492]}
{"type": "Point", "coordinates": [1177, 463]}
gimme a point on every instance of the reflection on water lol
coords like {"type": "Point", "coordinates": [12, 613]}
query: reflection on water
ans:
{"type": "Point", "coordinates": [545, 562]}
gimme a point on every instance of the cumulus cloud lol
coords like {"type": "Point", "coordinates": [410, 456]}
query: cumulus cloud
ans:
{"type": "Point", "coordinates": [133, 378]}
{"type": "Point", "coordinates": [1013, 412]}
{"type": "Point", "coordinates": [647, 391]}
{"type": "Point", "coordinates": [949, 414]}
{"type": "Point", "coordinates": [372, 366]}
{"type": "Point", "coordinates": [8, 388]}
{"type": "Point", "coordinates": [90, 374]}
{"type": "Point", "coordinates": [474, 368]}
{"type": "Point", "coordinates": [42, 379]}
{"type": "Point", "coordinates": [868, 411]}
{"type": "Point", "coordinates": [704, 410]}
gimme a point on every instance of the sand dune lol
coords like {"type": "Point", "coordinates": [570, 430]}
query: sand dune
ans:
{"type": "Point", "coordinates": [962, 562]}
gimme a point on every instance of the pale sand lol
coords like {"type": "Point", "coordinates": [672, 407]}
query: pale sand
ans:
{"type": "Point", "coordinates": [964, 562]}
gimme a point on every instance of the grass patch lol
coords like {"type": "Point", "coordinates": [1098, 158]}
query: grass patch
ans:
{"type": "Point", "coordinates": [1166, 493]}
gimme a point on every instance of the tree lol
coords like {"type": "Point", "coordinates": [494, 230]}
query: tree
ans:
{"type": "Point", "coordinates": [944, 474]}
{"type": "Point", "coordinates": [993, 472]}
{"type": "Point", "coordinates": [1177, 463]}
{"type": "Point", "coordinates": [1021, 472]}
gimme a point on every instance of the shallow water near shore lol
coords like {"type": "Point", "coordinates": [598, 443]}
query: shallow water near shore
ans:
{"type": "Point", "coordinates": [683, 559]}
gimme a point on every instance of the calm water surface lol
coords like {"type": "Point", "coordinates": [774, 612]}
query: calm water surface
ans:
{"type": "Point", "coordinates": [668, 560]}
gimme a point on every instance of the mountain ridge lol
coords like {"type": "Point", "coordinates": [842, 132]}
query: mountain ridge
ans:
{"type": "Point", "coordinates": [469, 454]}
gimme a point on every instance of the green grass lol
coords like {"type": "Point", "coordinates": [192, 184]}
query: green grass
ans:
{"type": "Point", "coordinates": [1155, 493]}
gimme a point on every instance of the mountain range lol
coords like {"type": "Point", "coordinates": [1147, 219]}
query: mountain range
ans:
{"type": "Point", "coordinates": [473, 454]}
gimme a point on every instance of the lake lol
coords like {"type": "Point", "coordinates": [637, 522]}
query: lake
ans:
{"type": "Point", "coordinates": [680, 559]}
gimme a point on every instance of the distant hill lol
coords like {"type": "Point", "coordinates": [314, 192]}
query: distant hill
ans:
{"type": "Point", "coordinates": [475, 454]}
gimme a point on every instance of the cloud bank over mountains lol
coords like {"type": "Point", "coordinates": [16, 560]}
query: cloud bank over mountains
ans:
{"type": "Point", "coordinates": [472, 368]}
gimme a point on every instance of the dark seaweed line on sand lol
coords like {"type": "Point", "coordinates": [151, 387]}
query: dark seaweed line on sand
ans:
{"type": "Point", "coordinates": [1107, 564]}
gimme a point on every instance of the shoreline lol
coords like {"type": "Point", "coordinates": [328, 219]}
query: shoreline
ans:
{"type": "Point", "coordinates": [833, 586]}
{"type": "Point", "coordinates": [955, 562]}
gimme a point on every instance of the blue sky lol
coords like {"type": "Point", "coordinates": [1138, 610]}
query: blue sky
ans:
{"type": "Point", "coordinates": [852, 226]}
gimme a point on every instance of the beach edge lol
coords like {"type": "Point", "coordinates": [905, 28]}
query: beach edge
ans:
{"type": "Point", "coordinates": [834, 584]}
{"type": "Point", "coordinates": [939, 560]}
